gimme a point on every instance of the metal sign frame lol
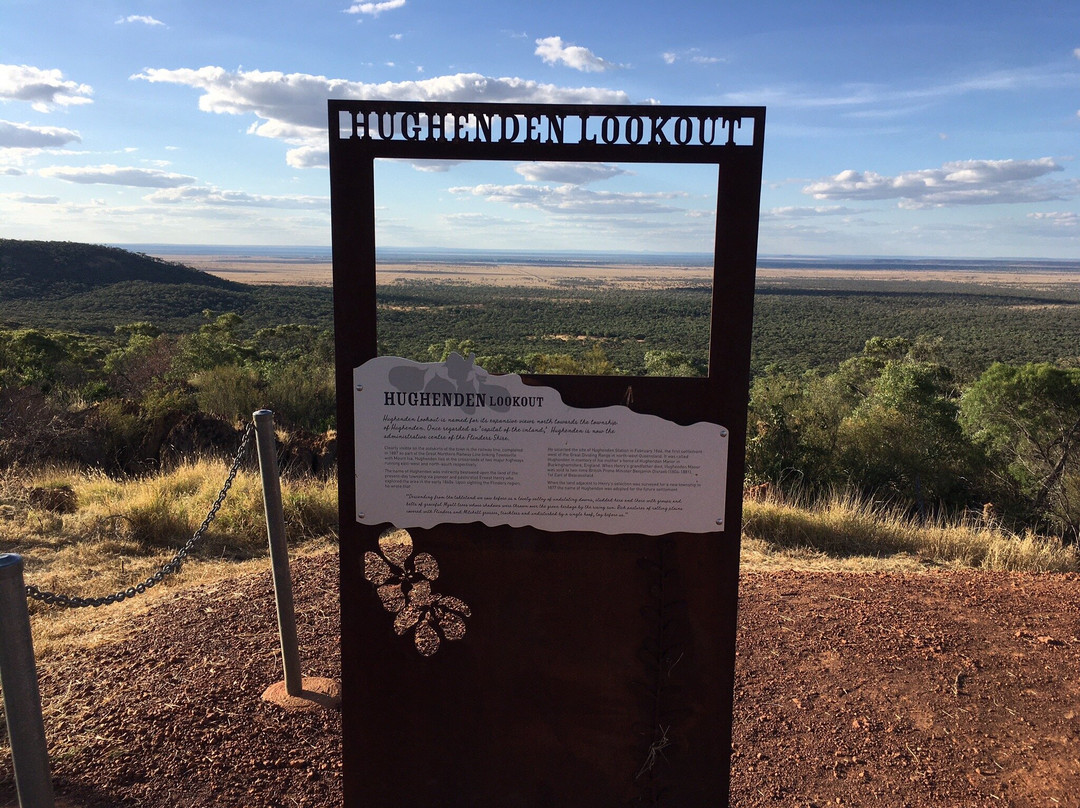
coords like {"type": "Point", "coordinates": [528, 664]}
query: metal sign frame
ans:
{"type": "Point", "coordinates": [590, 669]}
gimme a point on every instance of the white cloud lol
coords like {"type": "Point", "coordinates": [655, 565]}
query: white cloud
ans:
{"type": "Point", "coordinates": [298, 100]}
{"type": "Point", "coordinates": [104, 220]}
{"type": "Point", "coordinates": [23, 136]}
{"type": "Point", "coordinates": [693, 55]}
{"type": "Point", "coordinates": [11, 171]}
{"type": "Point", "coordinates": [292, 107]}
{"type": "Point", "coordinates": [117, 175]}
{"type": "Point", "coordinates": [31, 199]}
{"type": "Point", "coordinates": [434, 166]}
{"type": "Point", "coordinates": [310, 156]}
{"type": "Point", "coordinates": [552, 50]}
{"type": "Point", "coordinates": [141, 18]}
{"type": "Point", "coordinates": [571, 199]}
{"type": "Point", "coordinates": [44, 89]}
{"type": "Point", "coordinates": [793, 212]}
{"type": "Point", "coordinates": [1060, 219]}
{"type": "Point", "coordinates": [964, 182]}
{"type": "Point", "coordinates": [477, 220]}
{"type": "Point", "coordinates": [215, 196]}
{"type": "Point", "coordinates": [569, 173]}
{"type": "Point", "coordinates": [374, 9]}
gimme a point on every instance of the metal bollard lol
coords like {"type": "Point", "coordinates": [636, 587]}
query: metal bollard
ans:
{"type": "Point", "coordinates": [22, 699]}
{"type": "Point", "coordinates": [279, 550]}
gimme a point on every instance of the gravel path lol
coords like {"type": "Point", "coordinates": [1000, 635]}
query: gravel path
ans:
{"type": "Point", "coordinates": [949, 688]}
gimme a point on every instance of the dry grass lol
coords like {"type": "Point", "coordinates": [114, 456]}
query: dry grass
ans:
{"type": "Point", "coordinates": [101, 535]}
{"type": "Point", "coordinates": [849, 533]}
{"type": "Point", "coordinates": [120, 532]}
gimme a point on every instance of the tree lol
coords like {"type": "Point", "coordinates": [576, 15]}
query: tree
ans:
{"type": "Point", "coordinates": [774, 445]}
{"type": "Point", "coordinates": [29, 355]}
{"type": "Point", "coordinates": [440, 353]}
{"type": "Point", "coordinates": [1028, 417]}
{"type": "Point", "coordinates": [904, 438]}
{"type": "Point", "coordinates": [596, 363]}
{"type": "Point", "coordinates": [57, 362]}
{"type": "Point", "coordinates": [142, 362]}
{"type": "Point", "coordinates": [671, 363]}
{"type": "Point", "coordinates": [884, 422]}
{"type": "Point", "coordinates": [282, 344]}
{"type": "Point", "coordinates": [216, 343]}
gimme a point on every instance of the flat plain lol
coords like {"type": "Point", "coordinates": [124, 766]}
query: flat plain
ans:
{"type": "Point", "coordinates": [809, 313]}
{"type": "Point", "coordinates": [278, 270]}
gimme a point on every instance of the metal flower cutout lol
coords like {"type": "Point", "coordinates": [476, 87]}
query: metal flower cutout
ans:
{"type": "Point", "coordinates": [403, 583]}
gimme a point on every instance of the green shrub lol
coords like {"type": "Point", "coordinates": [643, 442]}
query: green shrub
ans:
{"type": "Point", "coordinates": [302, 394]}
{"type": "Point", "coordinates": [228, 391]}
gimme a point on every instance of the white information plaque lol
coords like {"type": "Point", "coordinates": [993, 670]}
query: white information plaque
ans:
{"type": "Point", "coordinates": [448, 442]}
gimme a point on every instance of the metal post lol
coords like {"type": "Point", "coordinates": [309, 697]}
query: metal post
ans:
{"type": "Point", "coordinates": [279, 550]}
{"type": "Point", "coordinates": [22, 699]}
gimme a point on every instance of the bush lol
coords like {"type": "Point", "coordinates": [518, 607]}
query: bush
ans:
{"type": "Point", "coordinates": [229, 392]}
{"type": "Point", "coordinates": [302, 394]}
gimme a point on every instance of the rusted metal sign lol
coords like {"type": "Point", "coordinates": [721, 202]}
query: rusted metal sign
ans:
{"type": "Point", "coordinates": [509, 661]}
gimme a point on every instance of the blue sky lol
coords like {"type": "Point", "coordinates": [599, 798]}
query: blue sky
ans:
{"type": "Point", "coordinates": [925, 129]}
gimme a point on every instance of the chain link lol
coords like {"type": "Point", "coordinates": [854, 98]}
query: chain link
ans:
{"type": "Point", "coordinates": [76, 602]}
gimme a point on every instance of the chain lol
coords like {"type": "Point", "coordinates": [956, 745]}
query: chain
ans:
{"type": "Point", "coordinates": [75, 602]}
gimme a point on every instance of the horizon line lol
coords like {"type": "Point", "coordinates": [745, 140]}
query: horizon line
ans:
{"type": "Point", "coordinates": [169, 248]}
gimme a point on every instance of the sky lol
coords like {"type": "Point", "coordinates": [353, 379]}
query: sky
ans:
{"type": "Point", "coordinates": [938, 129]}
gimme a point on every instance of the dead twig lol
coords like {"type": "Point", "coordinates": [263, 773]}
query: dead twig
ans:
{"type": "Point", "coordinates": [656, 748]}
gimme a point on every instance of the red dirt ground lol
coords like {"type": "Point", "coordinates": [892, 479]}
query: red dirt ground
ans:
{"type": "Point", "coordinates": [942, 689]}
